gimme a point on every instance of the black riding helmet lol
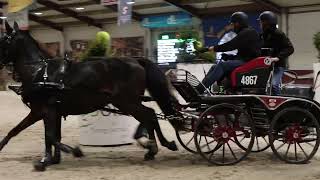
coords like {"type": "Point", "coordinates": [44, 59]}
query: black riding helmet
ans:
{"type": "Point", "coordinates": [268, 17]}
{"type": "Point", "coordinates": [239, 17]}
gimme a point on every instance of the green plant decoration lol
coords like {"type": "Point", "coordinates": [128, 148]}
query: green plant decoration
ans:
{"type": "Point", "coordinates": [100, 47]}
{"type": "Point", "coordinates": [190, 36]}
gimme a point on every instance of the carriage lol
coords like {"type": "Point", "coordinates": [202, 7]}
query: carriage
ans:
{"type": "Point", "coordinates": [222, 127]}
{"type": "Point", "coordinates": [242, 116]}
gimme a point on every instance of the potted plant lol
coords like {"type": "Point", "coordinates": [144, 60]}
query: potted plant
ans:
{"type": "Point", "coordinates": [190, 35]}
{"type": "Point", "coordinates": [99, 47]}
{"type": "Point", "coordinates": [316, 42]}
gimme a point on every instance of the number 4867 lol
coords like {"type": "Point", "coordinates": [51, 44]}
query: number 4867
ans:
{"type": "Point", "coordinates": [249, 80]}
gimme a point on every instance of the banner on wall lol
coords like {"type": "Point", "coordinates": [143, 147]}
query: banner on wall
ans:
{"type": "Point", "coordinates": [18, 5]}
{"type": "Point", "coordinates": [128, 47]}
{"type": "Point", "coordinates": [216, 28]}
{"type": "Point", "coordinates": [169, 20]}
{"type": "Point", "coordinates": [108, 2]}
{"type": "Point", "coordinates": [124, 12]}
{"type": "Point", "coordinates": [21, 17]}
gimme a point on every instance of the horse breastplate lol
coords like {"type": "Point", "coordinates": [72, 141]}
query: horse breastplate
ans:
{"type": "Point", "coordinates": [45, 79]}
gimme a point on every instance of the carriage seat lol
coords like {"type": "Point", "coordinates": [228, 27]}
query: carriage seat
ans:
{"type": "Point", "coordinates": [253, 75]}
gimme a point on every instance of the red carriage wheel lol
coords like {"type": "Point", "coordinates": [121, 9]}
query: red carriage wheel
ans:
{"type": "Point", "coordinates": [294, 135]}
{"type": "Point", "coordinates": [221, 124]}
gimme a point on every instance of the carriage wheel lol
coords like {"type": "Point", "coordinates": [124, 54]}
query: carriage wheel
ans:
{"type": "Point", "coordinates": [294, 135]}
{"type": "Point", "coordinates": [186, 139]}
{"type": "Point", "coordinates": [224, 125]}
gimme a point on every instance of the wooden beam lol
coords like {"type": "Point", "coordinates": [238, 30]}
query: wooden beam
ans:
{"type": "Point", "coordinates": [304, 6]}
{"type": "Point", "coordinates": [196, 1]}
{"type": "Point", "coordinates": [78, 23]}
{"type": "Point", "coordinates": [188, 8]}
{"type": "Point", "coordinates": [69, 5]}
{"type": "Point", "coordinates": [269, 5]}
{"type": "Point", "coordinates": [231, 9]}
{"type": "Point", "coordinates": [136, 16]}
{"type": "Point", "coordinates": [107, 10]}
{"type": "Point", "coordinates": [45, 22]}
{"type": "Point", "coordinates": [70, 13]}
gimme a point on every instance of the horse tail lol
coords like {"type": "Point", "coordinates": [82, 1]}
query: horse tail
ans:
{"type": "Point", "coordinates": [158, 86]}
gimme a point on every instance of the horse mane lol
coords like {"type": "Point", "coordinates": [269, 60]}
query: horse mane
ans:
{"type": "Point", "coordinates": [36, 46]}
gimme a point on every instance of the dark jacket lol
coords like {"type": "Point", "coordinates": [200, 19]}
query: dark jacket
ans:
{"type": "Point", "coordinates": [247, 42]}
{"type": "Point", "coordinates": [280, 44]}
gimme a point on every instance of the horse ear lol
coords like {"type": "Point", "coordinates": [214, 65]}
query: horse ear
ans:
{"type": "Point", "coordinates": [8, 27]}
{"type": "Point", "coordinates": [16, 26]}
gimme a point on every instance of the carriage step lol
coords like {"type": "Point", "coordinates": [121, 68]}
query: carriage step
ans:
{"type": "Point", "coordinates": [258, 110]}
{"type": "Point", "coordinates": [260, 117]}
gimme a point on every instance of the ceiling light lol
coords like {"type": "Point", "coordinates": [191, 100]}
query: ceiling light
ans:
{"type": "Point", "coordinates": [38, 13]}
{"type": "Point", "coordinates": [80, 8]}
{"type": "Point", "coordinates": [131, 2]}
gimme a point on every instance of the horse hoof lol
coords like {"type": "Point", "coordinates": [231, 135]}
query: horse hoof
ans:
{"type": "Point", "coordinates": [77, 152]}
{"type": "Point", "coordinates": [39, 166]}
{"type": "Point", "coordinates": [172, 146]}
{"type": "Point", "coordinates": [148, 157]}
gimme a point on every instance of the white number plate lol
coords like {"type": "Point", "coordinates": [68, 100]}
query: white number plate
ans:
{"type": "Point", "coordinates": [249, 80]}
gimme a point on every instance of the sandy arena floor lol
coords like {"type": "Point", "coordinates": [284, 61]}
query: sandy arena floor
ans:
{"type": "Point", "coordinates": [126, 162]}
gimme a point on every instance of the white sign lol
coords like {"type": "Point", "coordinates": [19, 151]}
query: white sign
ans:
{"type": "Point", "coordinates": [108, 2]}
{"type": "Point", "coordinates": [167, 52]}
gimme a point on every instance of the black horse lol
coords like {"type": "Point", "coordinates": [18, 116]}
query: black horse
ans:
{"type": "Point", "coordinates": [55, 88]}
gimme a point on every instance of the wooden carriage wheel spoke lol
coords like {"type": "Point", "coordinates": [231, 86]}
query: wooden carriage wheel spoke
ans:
{"type": "Point", "coordinates": [211, 155]}
{"type": "Point", "coordinates": [295, 151]}
{"type": "Point", "coordinates": [190, 140]}
{"type": "Point", "coordinates": [237, 144]}
{"type": "Point", "coordinates": [309, 144]}
{"type": "Point", "coordinates": [200, 140]}
{"type": "Point", "coordinates": [303, 150]}
{"type": "Point", "coordinates": [223, 150]}
{"type": "Point", "coordinates": [207, 143]}
{"type": "Point", "coordinates": [258, 147]}
{"type": "Point", "coordinates": [265, 140]}
{"type": "Point", "coordinates": [280, 146]}
{"type": "Point", "coordinates": [286, 155]}
{"type": "Point", "coordinates": [242, 139]}
{"type": "Point", "coordinates": [235, 157]}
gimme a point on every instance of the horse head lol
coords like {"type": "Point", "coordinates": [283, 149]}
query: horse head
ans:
{"type": "Point", "coordinates": [18, 45]}
{"type": "Point", "coordinates": [6, 44]}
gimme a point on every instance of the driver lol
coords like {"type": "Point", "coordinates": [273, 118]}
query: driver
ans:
{"type": "Point", "coordinates": [248, 44]}
{"type": "Point", "coordinates": [280, 44]}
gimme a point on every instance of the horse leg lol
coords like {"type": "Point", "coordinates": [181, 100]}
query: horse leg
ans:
{"type": "Point", "coordinates": [57, 152]}
{"type": "Point", "coordinates": [143, 114]}
{"type": "Point", "coordinates": [49, 159]}
{"type": "Point", "coordinates": [51, 138]}
{"type": "Point", "coordinates": [25, 123]}
{"type": "Point", "coordinates": [164, 142]}
{"type": "Point", "coordinates": [140, 132]}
